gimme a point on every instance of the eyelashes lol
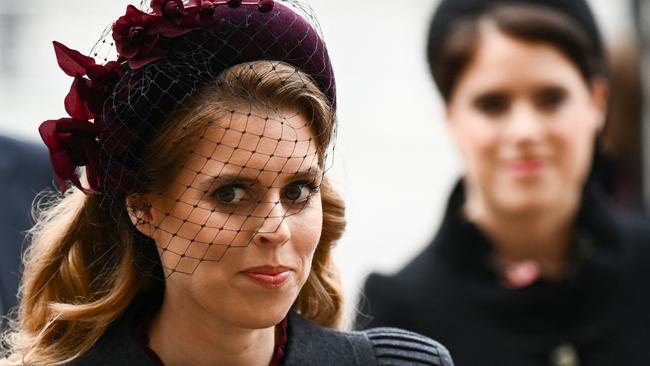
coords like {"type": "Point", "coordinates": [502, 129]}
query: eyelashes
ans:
{"type": "Point", "coordinates": [492, 104]}
{"type": "Point", "coordinates": [497, 103]}
{"type": "Point", "coordinates": [245, 194]}
{"type": "Point", "coordinates": [232, 194]}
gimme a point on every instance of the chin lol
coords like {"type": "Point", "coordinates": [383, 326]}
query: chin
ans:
{"type": "Point", "coordinates": [265, 316]}
{"type": "Point", "coordinates": [523, 201]}
{"type": "Point", "coordinates": [266, 309]}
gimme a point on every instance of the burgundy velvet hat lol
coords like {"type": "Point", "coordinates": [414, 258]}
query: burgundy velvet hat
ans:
{"type": "Point", "coordinates": [164, 57]}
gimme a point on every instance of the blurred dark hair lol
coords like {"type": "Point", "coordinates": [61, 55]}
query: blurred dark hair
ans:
{"type": "Point", "coordinates": [522, 21]}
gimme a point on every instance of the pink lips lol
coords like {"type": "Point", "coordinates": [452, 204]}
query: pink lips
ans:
{"type": "Point", "coordinates": [526, 168]}
{"type": "Point", "coordinates": [268, 276]}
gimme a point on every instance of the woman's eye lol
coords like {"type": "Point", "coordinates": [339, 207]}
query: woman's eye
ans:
{"type": "Point", "coordinates": [551, 99]}
{"type": "Point", "coordinates": [298, 192]}
{"type": "Point", "coordinates": [492, 104]}
{"type": "Point", "coordinates": [231, 194]}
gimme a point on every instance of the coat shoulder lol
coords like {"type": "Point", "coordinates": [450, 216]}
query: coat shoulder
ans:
{"type": "Point", "coordinates": [310, 344]}
{"type": "Point", "coordinates": [386, 300]}
{"type": "Point", "coordinates": [394, 346]}
{"type": "Point", "coordinates": [413, 276]}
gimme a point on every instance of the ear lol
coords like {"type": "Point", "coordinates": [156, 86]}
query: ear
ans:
{"type": "Point", "coordinates": [600, 100]}
{"type": "Point", "coordinates": [139, 208]}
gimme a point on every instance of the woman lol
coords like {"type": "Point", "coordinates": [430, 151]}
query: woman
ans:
{"type": "Point", "coordinates": [203, 234]}
{"type": "Point", "coordinates": [530, 266]}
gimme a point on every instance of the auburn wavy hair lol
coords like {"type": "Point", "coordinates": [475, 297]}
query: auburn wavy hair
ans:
{"type": "Point", "coordinates": [85, 263]}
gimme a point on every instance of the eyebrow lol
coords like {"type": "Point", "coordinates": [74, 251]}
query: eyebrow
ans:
{"type": "Point", "coordinates": [249, 176]}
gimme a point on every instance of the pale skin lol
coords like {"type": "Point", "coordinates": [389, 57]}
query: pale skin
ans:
{"type": "Point", "coordinates": [253, 187]}
{"type": "Point", "coordinates": [525, 122]}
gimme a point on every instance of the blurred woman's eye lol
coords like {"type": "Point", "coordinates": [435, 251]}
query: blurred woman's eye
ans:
{"type": "Point", "coordinates": [492, 104]}
{"type": "Point", "coordinates": [231, 194]}
{"type": "Point", "coordinates": [299, 191]}
{"type": "Point", "coordinates": [550, 99]}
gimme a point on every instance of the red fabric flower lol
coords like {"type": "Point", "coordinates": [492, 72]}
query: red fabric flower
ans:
{"type": "Point", "coordinates": [100, 84]}
{"type": "Point", "coordinates": [73, 143]}
{"type": "Point", "coordinates": [136, 36]}
{"type": "Point", "coordinates": [197, 2]}
{"type": "Point", "coordinates": [266, 6]}
{"type": "Point", "coordinates": [174, 18]}
{"type": "Point", "coordinates": [204, 10]}
{"type": "Point", "coordinates": [72, 62]}
{"type": "Point", "coordinates": [87, 95]}
{"type": "Point", "coordinates": [168, 8]}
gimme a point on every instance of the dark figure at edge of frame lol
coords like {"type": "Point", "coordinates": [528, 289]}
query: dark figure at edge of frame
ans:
{"type": "Point", "coordinates": [24, 171]}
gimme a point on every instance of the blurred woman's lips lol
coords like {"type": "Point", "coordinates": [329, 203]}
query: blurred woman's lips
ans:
{"type": "Point", "coordinates": [526, 167]}
{"type": "Point", "coordinates": [268, 276]}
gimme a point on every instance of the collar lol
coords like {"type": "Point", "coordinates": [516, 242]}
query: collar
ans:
{"type": "Point", "coordinates": [465, 247]}
{"type": "Point", "coordinates": [590, 291]}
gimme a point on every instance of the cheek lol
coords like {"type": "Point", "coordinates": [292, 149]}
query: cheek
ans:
{"type": "Point", "coordinates": [306, 227]}
{"type": "Point", "coordinates": [573, 144]}
{"type": "Point", "coordinates": [478, 141]}
{"type": "Point", "coordinates": [188, 234]}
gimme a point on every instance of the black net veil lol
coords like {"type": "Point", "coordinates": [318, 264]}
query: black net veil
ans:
{"type": "Point", "coordinates": [223, 139]}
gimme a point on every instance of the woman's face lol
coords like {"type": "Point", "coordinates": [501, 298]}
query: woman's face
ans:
{"type": "Point", "coordinates": [238, 226]}
{"type": "Point", "coordinates": [525, 122]}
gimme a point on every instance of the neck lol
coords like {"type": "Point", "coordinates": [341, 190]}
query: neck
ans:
{"type": "Point", "coordinates": [182, 337]}
{"type": "Point", "coordinates": [542, 235]}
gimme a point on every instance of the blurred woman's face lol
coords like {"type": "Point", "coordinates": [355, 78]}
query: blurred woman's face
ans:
{"type": "Point", "coordinates": [238, 226]}
{"type": "Point", "coordinates": [525, 122]}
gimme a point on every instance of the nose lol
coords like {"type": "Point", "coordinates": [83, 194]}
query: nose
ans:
{"type": "Point", "coordinates": [526, 124]}
{"type": "Point", "coordinates": [274, 229]}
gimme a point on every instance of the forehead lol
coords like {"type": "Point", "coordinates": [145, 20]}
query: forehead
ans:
{"type": "Point", "coordinates": [505, 61]}
{"type": "Point", "coordinates": [255, 137]}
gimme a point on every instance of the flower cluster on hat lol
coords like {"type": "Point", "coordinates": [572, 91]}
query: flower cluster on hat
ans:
{"type": "Point", "coordinates": [72, 142]}
{"type": "Point", "coordinates": [138, 36]}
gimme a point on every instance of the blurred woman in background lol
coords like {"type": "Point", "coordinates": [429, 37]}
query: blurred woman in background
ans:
{"type": "Point", "coordinates": [531, 265]}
